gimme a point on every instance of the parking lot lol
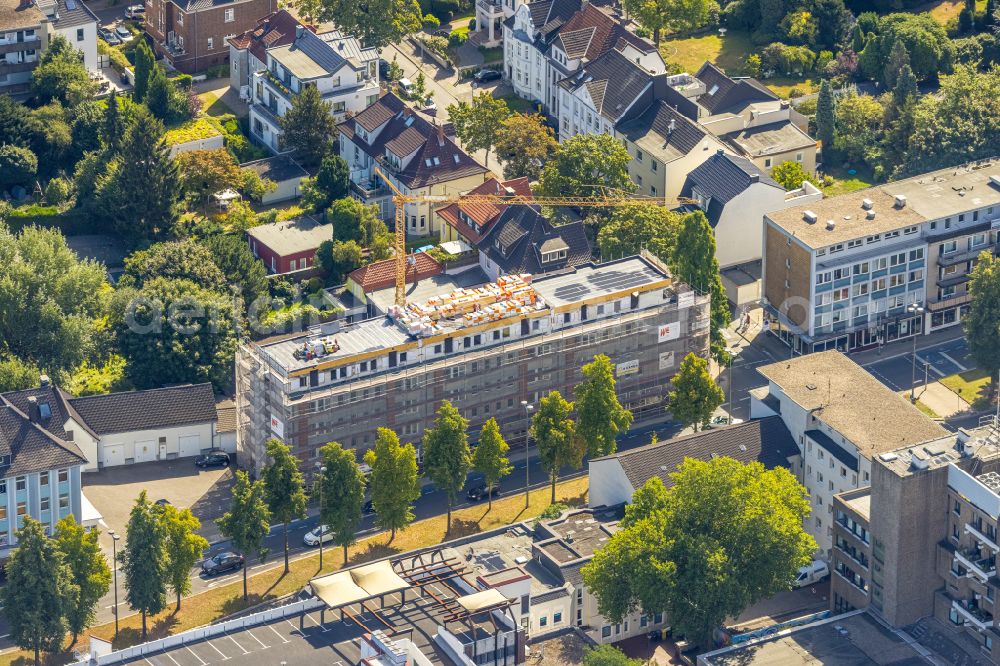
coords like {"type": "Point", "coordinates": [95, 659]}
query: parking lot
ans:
{"type": "Point", "coordinates": [295, 640]}
{"type": "Point", "coordinates": [896, 369]}
{"type": "Point", "coordinates": [113, 491]}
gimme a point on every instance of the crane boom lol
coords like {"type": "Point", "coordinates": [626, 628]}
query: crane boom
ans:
{"type": "Point", "coordinates": [400, 200]}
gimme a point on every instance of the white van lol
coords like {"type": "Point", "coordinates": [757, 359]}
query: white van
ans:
{"type": "Point", "coordinates": [811, 573]}
{"type": "Point", "coordinates": [406, 86]}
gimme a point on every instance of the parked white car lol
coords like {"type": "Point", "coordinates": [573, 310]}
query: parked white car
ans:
{"type": "Point", "coordinates": [811, 573]}
{"type": "Point", "coordinates": [311, 537]}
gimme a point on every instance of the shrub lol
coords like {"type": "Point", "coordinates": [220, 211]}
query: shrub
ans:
{"type": "Point", "coordinates": [552, 511]}
{"type": "Point", "coordinates": [823, 59]}
{"type": "Point", "coordinates": [457, 38]}
{"type": "Point", "coordinates": [796, 92]}
{"type": "Point", "coordinates": [472, 24]}
{"type": "Point", "coordinates": [57, 191]}
{"type": "Point", "coordinates": [752, 65]}
{"type": "Point", "coordinates": [314, 285]}
{"type": "Point", "coordinates": [438, 45]}
{"type": "Point", "coordinates": [431, 22]}
{"type": "Point", "coordinates": [786, 59]}
{"type": "Point", "coordinates": [182, 81]}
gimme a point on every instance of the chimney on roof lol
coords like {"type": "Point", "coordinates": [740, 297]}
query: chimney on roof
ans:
{"type": "Point", "coordinates": [672, 126]}
{"type": "Point", "coordinates": [266, 25]}
{"type": "Point", "coordinates": [33, 408]}
{"type": "Point", "coordinates": [440, 133]}
{"type": "Point", "coordinates": [43, 380]}
{"type": "Point", "coordinates": [299, 29]}
{"type": "Point", "coordinates": [755, 178]}
{"type": "Point", "coordinates": [720, 152]}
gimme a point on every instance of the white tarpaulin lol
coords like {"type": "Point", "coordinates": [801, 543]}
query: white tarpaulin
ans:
{"type": "Point", "coordinates": [482, 600]}
{"type": "Point", "coordinates": [455, 247]}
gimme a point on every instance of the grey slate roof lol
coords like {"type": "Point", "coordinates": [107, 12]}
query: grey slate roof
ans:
{"type": "Point", "coordinates": [732, 95]}
{"type": "Point", "coordinates": [613, 81]}
{"type": "Point", "coordinates": [764, 440]}
{"type": "Point", "coordinates": [523, 231]}
{"type": "Point", "coordinates": [74, 13]}
{"type": "Point", "coordinates": [722, 177]}
{"type": "Point", "coordinates": [30, 446]}
{"type": "Point", "coordinates": [278, 168]}
{"type": "Point", "coordinates": [655, 123]}
{"type": "Point", "coordinates": [833, 448]}
{"type": "Point", "coordinates": [147, 410]}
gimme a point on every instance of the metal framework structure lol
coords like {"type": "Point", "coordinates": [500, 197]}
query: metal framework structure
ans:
{"type": "Point", "coordinates": [399, 200]}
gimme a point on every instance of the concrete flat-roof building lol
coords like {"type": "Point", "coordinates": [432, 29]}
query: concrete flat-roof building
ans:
{"type": "Point", "coordinates": [485, 348]}
{"type": "Point", "coordinates": [881, 264]}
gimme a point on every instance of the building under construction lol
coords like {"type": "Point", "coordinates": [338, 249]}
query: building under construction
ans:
{"type": "Point", "coordinates": [483, 347]}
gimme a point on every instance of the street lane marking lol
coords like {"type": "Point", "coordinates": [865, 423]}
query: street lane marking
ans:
{"type": "Point", "coordinates": [930, 365]}
{"type": "Point", "coordinates": [203, 662]}
{"type": "Point", "coordinates": [245, 651]}
{"type": "Point", "coordinates": [284, 640]}
{"type": "Point", "coordinates": [224, 657]}
{"type": "Point", "coordinates": [167, 655]}
{"type": "Point", "coordinates": [148, 662]}
{"type": "Point", "coordinates": [958, 365]}
{"type": "Point", "coordinates": [257, 639]}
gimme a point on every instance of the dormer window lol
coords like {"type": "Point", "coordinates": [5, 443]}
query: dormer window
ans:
{"type": "Point", "coordinates": [714, 89]}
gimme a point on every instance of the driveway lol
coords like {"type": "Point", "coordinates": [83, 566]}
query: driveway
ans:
{"type": "Point", "coordinates": [113, 492]}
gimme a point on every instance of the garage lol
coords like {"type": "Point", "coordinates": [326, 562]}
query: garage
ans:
{"type": "Point", "coordinates": [114, 454]}
{"type": "Point", "coordinates": [145, 451]}
{"type": "Point", "coordinates": [189, 445]}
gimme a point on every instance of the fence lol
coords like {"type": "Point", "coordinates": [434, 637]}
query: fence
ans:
{"type": "Point", "coordinates": [201, 633]}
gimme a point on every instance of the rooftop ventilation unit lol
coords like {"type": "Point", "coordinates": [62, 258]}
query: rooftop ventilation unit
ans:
{"type": "Point", "coordinates": [995, 180]}
{"type": "Point", "coordinates": [830, 225]}
{"type": "Point", "coordinates": [870, 215]}
{"type": "Point", "coordinates": [867, 204]}
{"type": "Point", "coordinates": [888, 456]}
{"type": "Point", "coordinates": [917, 461]}
{"type": "Point", "coordinates": [809, 217]}
{"type": "Point", "coordinates": [900, 200]}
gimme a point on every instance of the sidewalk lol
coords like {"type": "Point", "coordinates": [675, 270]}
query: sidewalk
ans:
{"type": "Point", "coordinates": [940, 399]}
{"type": "Point", "coordinates": [905, 347]}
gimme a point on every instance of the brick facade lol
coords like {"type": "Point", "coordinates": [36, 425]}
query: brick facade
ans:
{"type": "Point", "coordinates": [193, 34]}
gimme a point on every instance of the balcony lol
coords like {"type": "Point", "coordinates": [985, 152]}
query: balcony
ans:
{"type": "Point", "coordinates": [490, 8]}
{"type": "Point", "coordinates": [973, 615]}
{"type": "Point", "coordinates": [980, 536]}
{"type": "Point", "coordinates": [15, 47]}
{"type": "Point", "coordinates": [960, 255]}
{"type": "Point", "coordinates": [369, 191]}
{"type": "Point", "coordinates": [979, 562]}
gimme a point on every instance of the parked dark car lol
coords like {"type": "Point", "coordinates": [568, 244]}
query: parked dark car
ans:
{"type": "Point", "coordinates": [162, 502]}
{"type": "Point", "coordinates": [478, 493]}
{"type": "Point", "coordinates": [383, 68]}
{"type": "Point", "coordinates": [485, 75]}
{"type": "Point", "coordinates": [441, 32]}
{"type": "Point", "coordinates": [367, 508]}
{"type": "Point", "coordinates": [222, 563]}
{"type": "Point", "coordinates": [111, 38]}
{"type": "Point", "coordinates": [213, 459]}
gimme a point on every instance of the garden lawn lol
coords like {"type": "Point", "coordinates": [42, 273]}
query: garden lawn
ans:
{"type": "Point", "coordinates": [208, 606]}
{"type": "Point", "coordinates": [943, 11]}
{"type": "Point", "coordinates": [213, 105]}
{"type": "Point", "coordinates": [845, 182]}
{"type": "Point", "coordinates": [192, 130]}
{"type": "Point", "coordinates": [491, 56]}
{"type": "Point", "coordinates": [519, 104]}
{"type": "Point", "coordinates": [971, 386]}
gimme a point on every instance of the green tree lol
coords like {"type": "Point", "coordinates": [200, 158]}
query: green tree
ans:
{"type": "Point", "coordinates": [931, 51]}
{"type": "Point", "coordinates": [16, 374]}
{"type": "Point", "coordinates": [183, 547]}
{"type": "Point", "coordinates": [447, 457]}
{"type": "Point", "coordinates": [308, 126]}
{"type": "Point", "coordinates": [247, 521]}
{"type": "Point", "coordinates": [588, 165]}
{"type": "Point", "coordinates": [158, 95]}
{"type": "Point", "coordinates": [202, 173]}
{"type": "Point", "coordinates": [236, 261]}
{"type": "Point", "coordinates": [859, 125]}
{"type": "Point", "coordinates": [49, 299]}
{"type": "Point", "coordinates": [898, 58]}
{"type": "Point", "coordinates": [330, 183]}
{"type": "Point", "coordinates": [114, 123]}
{"type": "Point", "coordinates": [338, 258]}
{"type": "Point", "coordinates": [89, 573]}
{"type": "Point", "coordinates": [394, 481]}
{"type": "Point", "coordinates": [18, 166]}
{"type": "Point", "coordinates": [284, 488]}
{"type": "Point", "coordinates": [175, 332]}
{"type": "Point", "coordinates": [982, 323]}
{"type": "Point", "coordinates": [600, 417]}
{"type": "Point", "coordinates": [524, 144]}
{"type": "Point", "coordinates": [145, 62]}
{"type": "Point", "coordinates": [173, 260]}
{"type": "Point", "coordinates": [905, 90]}
{"type": "Point", "coordinates": [826, 115]}
{"type": "Point", "coordinates": [343, 494]}
{"type": "Point", "coordinates": [53, 137]}
{"type": "Point", "coordinates": [636, 226]}
{"type": "Point", "coordinates": [87, 127]}
{"type": "Point", "coordinates": [144, 560]}
{"type": "Point", "coordinates": [705, 551]}
{"type": "Point", "coordinates": [375, 22]}
{"type": "Point", "coordinates": [675, 16]}
{"type": "Point", "coordinates": [490, 457]}
{"type": "Point", "coordinates": [60, 75]}
{"type": "Point", "coordinates": [608, 655]}
{"type": "Point", "coordinates": [790, 175]}
{"type": "Point", "coordinates": [38, 592]}
{"type": "Point", "coordinates": [858, 39]}
{"type": "Point", "coordinates": [695, 394]}
{"type": "Point", "coordinates": [355, 221]}
{"type": "Point", "coordinates": [480, 123]}
{"type": "Point", "coordinates": [141, 191]}
{"type": "Point", "coordinates": [694, 262]}
{"type": "Point", "coordinates": [554, 433]}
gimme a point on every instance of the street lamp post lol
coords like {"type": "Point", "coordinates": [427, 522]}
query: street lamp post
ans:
{"type": "Point", "coordinates": [527, 448]}
{"type": "Point", "coordinates": [322, 472]}
{"type": "Point", "coordinates": [918, 310]}
{"type": "Point", "coordinates": [114, 568]}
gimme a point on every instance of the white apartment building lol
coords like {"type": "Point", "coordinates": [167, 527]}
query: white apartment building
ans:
{"type": "Point", "coordinates": [345, 74]}
{"type": "Point", "coordinates": [841, 418]}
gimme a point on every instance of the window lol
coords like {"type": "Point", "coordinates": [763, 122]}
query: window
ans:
{"type": "Point", "coordinates": [654, 166]}
{"type": "Point", "coordinates": [947, 246]}
{"type": "Point", "coordinates": [556, 618]}
{"type": "Point", "coordinates": [64, 500]}
{"type": "Point", "coordinates": [916, 275]}
{"type": "Point", "coordinates": [3, 487]}
{"type": "Point", "coordinates": [859, 269]}
{"type": "Point", "coordinates": [977, 240]}
{"type": "Point", "coordinates": [543, 621]}
{"type": "Point", "coordinates": [44, 504]}
{"type": "Point", "coordinates": [180, 18]}
{"type": "Point", "coordinates": [854, 243]}
{"type": "Point", "coordinates": [798, 157]}
{"type": "Point", "coordinates": [20, 483]}
{"type": "Point", "coordinates": [606, 631]}
{"type": "Point", "coordinates": [897, 259]}
{"type": "Point", "coordinates": [3, 512]}
{"type": "Point", "coordinates": [910, 230]}
{"type": "Point", "coordinates": [230, 15]}
{"type": "Point", "coordinates": [767, 162]}
{"type": "Point", "coordinates": [211, 44]}
{"type": "Point", "coordinates": [892, 234]}
{"type": "Point", "coordinates": [43, 479]}
{"type": "Point", "coordinates": [836, 248]}
{"type": "Point", "coordinates": [638, 155]}
{"type": "Point", "coordinates": [79, 34]}
{"type": "Point", "coordinates": [22, 508]}
{"type": "Point", "coordinates": [916, 255]}
{"type": "Point", "coordinates": [873, 239]}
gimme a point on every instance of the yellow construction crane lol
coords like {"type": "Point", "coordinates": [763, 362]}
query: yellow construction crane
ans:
{"type": "Point", "coordinates": [399, 200]}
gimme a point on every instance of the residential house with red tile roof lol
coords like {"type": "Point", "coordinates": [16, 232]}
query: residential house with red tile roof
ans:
{"type": "Point", "coordinates": [417, 153]}
{"type": "Point", "coordinates": [470, 222]}
{"type": "Point", "coordinates": [248, 50]}
{"type": "Point", "coordinates": [380, 275]}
